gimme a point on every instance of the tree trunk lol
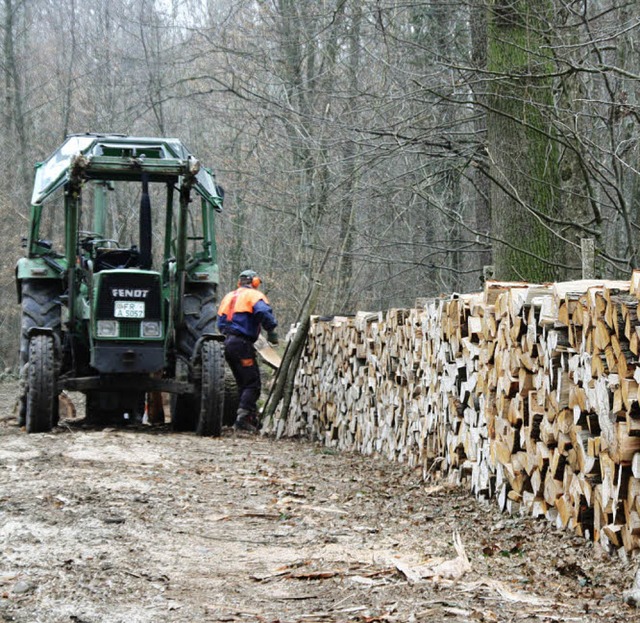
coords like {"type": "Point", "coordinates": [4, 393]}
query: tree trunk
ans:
{"type": "Point", "coordinates": [349, 205]}
{"type": "Point", "coordinates": [14, 117]}
{"type": "Point", "coordinates": [480, 179]}
{"type": "Point", "coordinates": [522, 154]}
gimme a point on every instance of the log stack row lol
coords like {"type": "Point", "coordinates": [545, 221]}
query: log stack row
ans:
{"type": "Point", "coordinates": [527, 392]}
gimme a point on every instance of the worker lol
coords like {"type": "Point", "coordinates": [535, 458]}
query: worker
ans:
{"type": "Point", "coordinates": [242, 314]}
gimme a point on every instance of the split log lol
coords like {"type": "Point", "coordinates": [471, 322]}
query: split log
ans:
{"type": "Point", "coordinates": [527, 392]}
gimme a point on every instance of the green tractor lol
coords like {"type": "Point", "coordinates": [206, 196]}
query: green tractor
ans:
{"type": "Point", "coordinates": [118, 321]}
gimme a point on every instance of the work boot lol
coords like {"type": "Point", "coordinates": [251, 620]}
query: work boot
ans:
{"type": "Point", "coordinates": [245, 420]}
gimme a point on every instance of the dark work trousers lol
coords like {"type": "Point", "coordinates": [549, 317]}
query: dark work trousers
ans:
{"type": "Point", "coordinates": [241, 357]}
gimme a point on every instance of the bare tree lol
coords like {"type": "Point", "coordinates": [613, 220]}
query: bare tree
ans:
{"type": "Point", "coordinates": [417, 141]}
{"type": "Point", "coordinates": [14, 117]}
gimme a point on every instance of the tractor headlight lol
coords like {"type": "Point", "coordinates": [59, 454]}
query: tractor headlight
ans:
{"type": "Point", "coordinates": [107, 328]}
{"type": "Point", "coordinates": [150, 328]}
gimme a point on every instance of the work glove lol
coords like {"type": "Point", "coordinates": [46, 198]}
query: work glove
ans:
{"type": "Point", "coordinates": [272, 337]}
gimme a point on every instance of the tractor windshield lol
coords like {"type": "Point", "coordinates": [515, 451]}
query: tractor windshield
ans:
{"type": "Point", "coordinates": [52, 173]}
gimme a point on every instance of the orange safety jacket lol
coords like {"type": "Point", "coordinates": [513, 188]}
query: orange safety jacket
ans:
{"type": "Point", "coordinates": [244, 312]}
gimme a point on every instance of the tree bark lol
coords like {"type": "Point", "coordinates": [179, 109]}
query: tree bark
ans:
{"type": "Point", "coordinates": [522, 154]}
{"type": "Point", "coordinates": [15, 121]}
{"type": "Point", "coordinates": [480, 179]}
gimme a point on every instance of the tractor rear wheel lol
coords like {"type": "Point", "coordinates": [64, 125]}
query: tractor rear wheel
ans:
{"type": "Point", "coordinates": [42, 391]}
{"type": "Point", "coordinates": [200, 317]}
{"type": "Point", "coordinates": [211, 390]}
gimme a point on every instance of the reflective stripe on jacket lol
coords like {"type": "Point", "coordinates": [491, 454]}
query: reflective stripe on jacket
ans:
{"type": "Point", "coordinates": [245, 311]}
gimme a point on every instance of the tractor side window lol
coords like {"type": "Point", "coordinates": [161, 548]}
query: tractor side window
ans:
{"type": "Point", "coordinates": [52, 233]}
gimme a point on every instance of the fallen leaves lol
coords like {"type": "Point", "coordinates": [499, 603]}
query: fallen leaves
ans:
{"type": "Point", "coordinates": [254, 530]}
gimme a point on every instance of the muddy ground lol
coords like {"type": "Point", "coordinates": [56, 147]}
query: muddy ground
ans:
{"type": "Point", "coordinates": [145, 525]}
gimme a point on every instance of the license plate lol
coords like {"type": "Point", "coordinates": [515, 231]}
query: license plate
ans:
{"type": "Point", "coordinates": [129, 309]}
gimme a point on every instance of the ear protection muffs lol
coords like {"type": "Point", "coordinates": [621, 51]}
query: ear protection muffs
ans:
{"type": "Point", "coordinates": [255, 282]}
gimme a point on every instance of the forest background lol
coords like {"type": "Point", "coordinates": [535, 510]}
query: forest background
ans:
{"type": "Point", "coordinates": [422, 145]}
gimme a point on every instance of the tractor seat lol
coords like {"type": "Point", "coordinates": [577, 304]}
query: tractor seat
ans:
{"type": "Point", "coordinates": [111, 258]}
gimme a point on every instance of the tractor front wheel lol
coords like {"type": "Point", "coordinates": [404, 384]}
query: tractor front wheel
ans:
{"type": "Point", "coordinates": [41, 308]}
{"type": "Point", "coordinates": [211, 390]}
{"type": "Point", "coordinates": [42, 394]}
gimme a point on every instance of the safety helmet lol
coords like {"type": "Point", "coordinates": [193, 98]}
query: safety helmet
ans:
{"type": "Point", "coordinates": [249, 278]}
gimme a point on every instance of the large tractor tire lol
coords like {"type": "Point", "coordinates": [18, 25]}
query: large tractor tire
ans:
{"type": "Point", "coordinates": [42, 391]}
{"type": "Point", "coordinates": [40, 308]}
{"type": "Point", "coordinates": [200, 317]}
{"type": "Point", "coordinates": [211, 390]}
{"type": "Point", "coordinates": [184, 409]}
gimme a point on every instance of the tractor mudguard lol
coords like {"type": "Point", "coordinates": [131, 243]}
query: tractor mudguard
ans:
{"type": "Point", "coordinates": [218, 337]}
{"type": "Point", "coordinates": [36, 268]}
{"type": "Point", "coordinates": [46, 331]}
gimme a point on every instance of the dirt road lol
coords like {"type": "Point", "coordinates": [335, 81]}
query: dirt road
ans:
{"type": "Point", "coordinates": [144, 525]}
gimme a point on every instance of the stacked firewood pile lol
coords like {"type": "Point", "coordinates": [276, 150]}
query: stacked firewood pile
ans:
{"type": "Point", "coordinates": [528, 393]}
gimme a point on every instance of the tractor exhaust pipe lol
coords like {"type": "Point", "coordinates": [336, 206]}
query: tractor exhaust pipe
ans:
{"type": "Point", "coordinates": [145, 225]}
